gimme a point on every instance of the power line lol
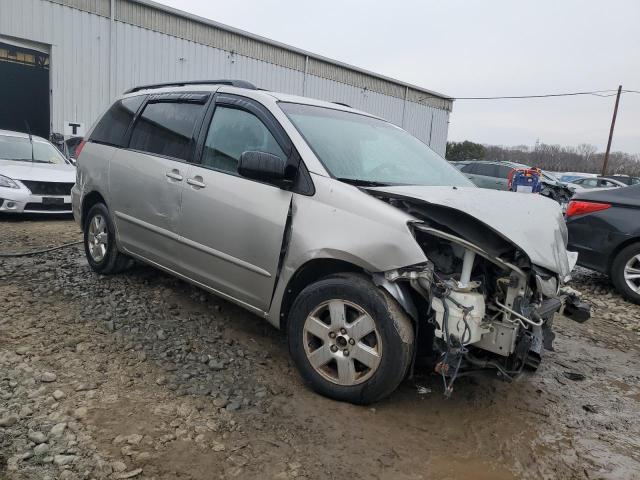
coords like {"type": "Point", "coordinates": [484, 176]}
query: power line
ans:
{"type": "Point", "coordinates": [597, 93]}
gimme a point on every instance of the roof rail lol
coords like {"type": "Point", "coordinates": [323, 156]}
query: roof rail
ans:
{"type": "Point", "coordinates": [342, 104]}
{"type": "Point", "coordinates": [232, 83]}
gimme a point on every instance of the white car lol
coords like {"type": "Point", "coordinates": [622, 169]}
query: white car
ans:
{"type": "Point", "coordinates": [584, 184]}
{"type": "Point", "coordinates": [34, 176]}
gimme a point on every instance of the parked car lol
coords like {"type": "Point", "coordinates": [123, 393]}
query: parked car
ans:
{"type": "Point", "coordinates": [568, 177]}
{"type": "Point", "coordinates": [604, 227]}
{"type": "Point", "coordinates": [334, 225]}
{"type": "Point", "coordinates": [597, 182]}
{"type": "Point", "coordinates": [67, 146]}
{"type": "Point", "coordinates": [626, 179]}
{"type": "Point", "coordinates": [494, 175]}
{"type": "Point", "coordinates": [34, 176]}
{"type": "Point", "coordinates": [72, 146]}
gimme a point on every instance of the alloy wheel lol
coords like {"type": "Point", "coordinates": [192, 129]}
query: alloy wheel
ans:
{"type": "Point", "coordinates": [342, 343]}
{"type": "Point", "coordinates": [632, 273]}
{"type": "Point", "coordinates": [98, 238]}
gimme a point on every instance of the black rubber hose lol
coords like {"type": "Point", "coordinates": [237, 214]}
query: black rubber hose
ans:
{"type": "Point", "coordinates": [38, 252]}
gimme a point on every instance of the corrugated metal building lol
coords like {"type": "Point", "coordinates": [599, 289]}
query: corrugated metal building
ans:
{"type": "Point", "coordinates": [99, 48]}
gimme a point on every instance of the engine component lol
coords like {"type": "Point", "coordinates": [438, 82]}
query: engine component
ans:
{"type": "Point", "coordinates": [466, 311]}
{"type": "Point", "coordinates": [467, 267]}
{"type": "Point", "coordinates": [500, 339]}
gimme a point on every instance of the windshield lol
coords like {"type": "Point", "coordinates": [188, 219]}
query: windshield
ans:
{"type": "Point", "coordinates": [363, 150]}
{"type": "Point", "coordinates": [19, 149]}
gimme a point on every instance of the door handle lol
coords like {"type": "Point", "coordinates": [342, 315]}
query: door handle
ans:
{"type": "Point", "coordinates": [174, 174]}
{"type": "Point", "coordinates": [196, 182]}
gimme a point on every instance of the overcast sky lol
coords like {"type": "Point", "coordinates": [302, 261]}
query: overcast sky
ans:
{"type": "Point", "coordinates": [476, 48]}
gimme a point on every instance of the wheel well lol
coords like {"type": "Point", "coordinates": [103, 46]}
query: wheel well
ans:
{"type": "Point", "coordinates": [618, 249]}
{"type": "Point", "coordinates": [89, 201]}
{"type": "Point", "coordinates": [307, 274]}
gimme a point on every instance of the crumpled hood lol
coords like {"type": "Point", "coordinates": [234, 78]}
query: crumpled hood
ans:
{"type": "Point", "coordinates": [41, 172]}
{"type": "Point", "coordinates": [531, 222]}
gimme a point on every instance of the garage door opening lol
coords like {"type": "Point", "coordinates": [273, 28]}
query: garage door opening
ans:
{"type": "Point", "coordinates": [24, 89]}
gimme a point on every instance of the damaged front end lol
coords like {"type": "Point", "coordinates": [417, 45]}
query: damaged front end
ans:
{"type": "Point", "coordinates": [484, 304]}
{"type": "Point", "coordinates": [556, 191]}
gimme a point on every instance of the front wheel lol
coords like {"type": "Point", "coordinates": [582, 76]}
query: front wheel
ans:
{"type": "Point", "coordinates": [349, 339]}
{"type": "Point", "coordinates": [100, 242]}
{"type": "Point", "coordinates": [625, 272]}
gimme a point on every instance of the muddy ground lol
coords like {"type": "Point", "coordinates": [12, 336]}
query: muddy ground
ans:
{"type": "Point", "coordinates": [141, 375]}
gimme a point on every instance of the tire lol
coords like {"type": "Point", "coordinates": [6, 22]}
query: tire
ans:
{"type": "Point", "coordinates": [102, 253]}
{"type": "Point", "coordinates": [627, 261]}
{"type": "Point", "coordinates": [385, 352]}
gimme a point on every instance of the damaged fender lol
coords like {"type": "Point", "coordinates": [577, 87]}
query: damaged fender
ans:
{"type": "Point", "coordinates": [364, 232]}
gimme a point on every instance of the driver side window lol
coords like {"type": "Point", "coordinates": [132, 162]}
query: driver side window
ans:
{"type": "Point", "coordinates": [233, 132]}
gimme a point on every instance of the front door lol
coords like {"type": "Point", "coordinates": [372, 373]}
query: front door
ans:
{"type": "Point", "coordinates": [232, 227]}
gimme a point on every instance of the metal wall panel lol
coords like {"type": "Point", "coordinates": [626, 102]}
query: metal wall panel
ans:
{"type": "Point", "coordinates": [428, 124]}
{"type": "Point", "coordinates": [94, 59]}
{"type": "Point", "coordinates": [389, 108]}
{"type": "Point", "coordinates": [188, 29]}
{"type": "Point", "coordinates": [143, 56]}
{"type": "Point", "coordinates": [99, 7]}
{"type": "Point", "coordinates": [357, 79]}
{"type": "Point", "coordinates": [418, 96]}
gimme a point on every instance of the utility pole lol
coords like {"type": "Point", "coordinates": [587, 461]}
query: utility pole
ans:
{"type": "Point", "coordinates": [613, 125]}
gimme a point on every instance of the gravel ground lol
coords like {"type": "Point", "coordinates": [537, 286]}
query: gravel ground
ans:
{"type": "Point", "coordinates": [141, 375]}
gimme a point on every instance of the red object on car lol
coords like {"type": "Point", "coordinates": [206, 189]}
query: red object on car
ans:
{"type": "Point", "coordinates": [579, 207]}
{"type": "Point", "coordinates": [79, 148]}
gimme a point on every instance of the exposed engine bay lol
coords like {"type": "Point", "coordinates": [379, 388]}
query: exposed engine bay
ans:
{"type": "Point", "coordinates": [482, 303]}
{"type": "Point", "coordinates": [560, 193]}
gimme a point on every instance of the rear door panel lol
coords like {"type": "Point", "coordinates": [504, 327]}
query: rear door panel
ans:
{"type": "Point", "coordinates": [146, 179]}
{"type": "Point", "coordinates": [146, 204]}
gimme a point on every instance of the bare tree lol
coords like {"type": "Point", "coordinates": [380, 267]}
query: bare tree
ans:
{"type": "Point", "coordinates": [583, 158]}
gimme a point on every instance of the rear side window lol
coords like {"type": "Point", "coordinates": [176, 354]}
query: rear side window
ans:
{"type": "Point", "coordinates": [167, 128]}
{"type": "Point", "coordinates": [113, 126]}
{"type": "Point", "coordinates": [470, 168]}
{"type": "Point", "coordinates": [487, 169]}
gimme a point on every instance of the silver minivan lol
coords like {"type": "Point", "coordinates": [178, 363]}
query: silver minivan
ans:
{"type": "Point", "coordinates": [358, 240]}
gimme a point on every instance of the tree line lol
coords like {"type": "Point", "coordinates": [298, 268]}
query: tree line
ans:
{"type": "Point", "coordinates": [558, 158]}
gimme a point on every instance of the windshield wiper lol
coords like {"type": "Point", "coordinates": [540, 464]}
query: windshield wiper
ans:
{"type": "Point", "coordinates": [363, 183]}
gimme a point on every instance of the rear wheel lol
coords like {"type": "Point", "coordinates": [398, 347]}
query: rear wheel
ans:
{"type": "Point", "coordinates": [99, 242]}
{"type": "Point", "coordinates": [350, 340]}
{"type": "Point", "coordinates": [625, 272]}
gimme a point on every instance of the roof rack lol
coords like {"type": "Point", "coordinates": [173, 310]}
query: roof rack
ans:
{"type": "Point", "coordinates": [232, 83]}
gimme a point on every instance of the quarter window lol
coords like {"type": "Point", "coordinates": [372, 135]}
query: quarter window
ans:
{"type": "Point", "coordinates": [503, 171]}
{"type": "Point", "coordinates": [113, 125]}
{"type": "Point", "coordinates": [167, 128]}
{"type": "Point", "coordinates": [233, 132]}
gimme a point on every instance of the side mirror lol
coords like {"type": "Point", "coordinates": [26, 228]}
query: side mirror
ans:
{"type": "Point", "coordinates": [262, 166]}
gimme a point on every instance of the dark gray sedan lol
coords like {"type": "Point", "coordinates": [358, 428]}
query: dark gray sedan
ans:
{"type": "Point", "coordinates": [604, 228]}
